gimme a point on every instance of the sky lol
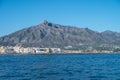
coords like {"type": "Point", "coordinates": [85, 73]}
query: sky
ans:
{"type": "Point", "coordinates": [98, 15]}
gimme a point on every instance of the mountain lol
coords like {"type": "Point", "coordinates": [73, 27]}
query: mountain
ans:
{"type": "Point", "coordinates": [111, 37]}
{"type": "Point", "coordinates": [48, 34]}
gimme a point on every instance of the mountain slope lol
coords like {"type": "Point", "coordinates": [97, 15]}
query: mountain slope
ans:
{"type": "Point", "coordinates": [111, 37]}
{"type": "Point", "coordinates": [48, 34]}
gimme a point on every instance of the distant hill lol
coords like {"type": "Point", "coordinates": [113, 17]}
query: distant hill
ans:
{"type": "Point", "coordinates": [111, 37]}
{"type": "Point", "coordinates": [48, 34]}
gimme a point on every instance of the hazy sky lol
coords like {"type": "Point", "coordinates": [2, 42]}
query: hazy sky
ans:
{"type": "Point", "coordinates": [98, 15]}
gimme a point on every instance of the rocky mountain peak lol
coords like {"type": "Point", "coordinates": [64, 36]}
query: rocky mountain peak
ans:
{"type": "Point", "coordinates": [45, 22]}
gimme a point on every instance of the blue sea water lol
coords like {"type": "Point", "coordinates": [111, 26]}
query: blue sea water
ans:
{"type": "Point", "coordinates": [60, 67]}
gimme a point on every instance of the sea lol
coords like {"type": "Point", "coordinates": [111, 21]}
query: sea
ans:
{"type": "Point", "coordinates": [60, 66]}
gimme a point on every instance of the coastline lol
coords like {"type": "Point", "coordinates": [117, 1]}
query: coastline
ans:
{"type": "Point", "coordinates": [58, 53]}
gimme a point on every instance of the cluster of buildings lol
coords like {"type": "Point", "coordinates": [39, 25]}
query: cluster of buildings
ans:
{"type": "Point", "coordinates": [68, 49]}
{"type": "Point", "coordinates": [28, 50]}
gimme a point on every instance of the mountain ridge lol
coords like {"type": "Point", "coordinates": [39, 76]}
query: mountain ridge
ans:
{"type": "Point", "coordinates": [48, 34]}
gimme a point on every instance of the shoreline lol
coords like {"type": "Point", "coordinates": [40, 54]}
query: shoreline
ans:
{"type": "Point", "coordinates": [58, 53]}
